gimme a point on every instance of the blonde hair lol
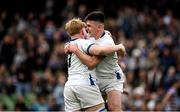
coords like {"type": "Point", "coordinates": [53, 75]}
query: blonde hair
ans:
{"type": "Point", "coordinates": [74, 26]}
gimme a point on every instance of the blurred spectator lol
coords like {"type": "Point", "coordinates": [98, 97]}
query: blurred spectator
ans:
{"type": "Point", "coordinates": [171, 101]}
{"type": "Point", "coordinates": [41, 104]}
{"type": "Point", "coordinates": [20, 55]}
{"type": "Point", "coordinates": [20, 104]}
{"type": "Point", "coordinates": [154, 78]}
{"type": "Point", "coordinates": [33, 66]}
{"type": "Point", "coordinates": [58, 91]}
{"type": "Point", "coordinates": [170, 78]}
{"type": "Point", "coordinates": [7, 51]}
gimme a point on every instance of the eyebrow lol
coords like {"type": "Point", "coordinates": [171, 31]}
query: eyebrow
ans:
{"type": "Point", "coordinates": [88, 25]}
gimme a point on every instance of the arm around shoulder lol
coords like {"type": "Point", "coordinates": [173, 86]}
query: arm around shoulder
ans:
{"type": "Point", "coordinates": [88, 60]}
{"type": "Point", "coordinates": [106, 49]}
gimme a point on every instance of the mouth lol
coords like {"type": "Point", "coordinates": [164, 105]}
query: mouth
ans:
{"type": "Point", "coordinates": [86, 31]}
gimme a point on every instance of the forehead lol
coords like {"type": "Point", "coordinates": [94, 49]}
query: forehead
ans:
{"type": "Point", "coordinates": [91, 23]}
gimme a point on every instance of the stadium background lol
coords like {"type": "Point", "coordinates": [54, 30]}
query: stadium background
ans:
{"type": "Point", "coordinates": [33, 65]}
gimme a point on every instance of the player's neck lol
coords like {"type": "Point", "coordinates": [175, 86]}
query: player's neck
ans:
{"type": "Point", "coordinates": [100, 34]}
{"type": "Point", "coordinates": [76, 36]}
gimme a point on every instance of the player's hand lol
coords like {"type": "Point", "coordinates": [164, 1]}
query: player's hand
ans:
{"type": "Point", "coordinates": [122, 50]}
{"type": "Point", "coordinates": [72, 48]}
{"type": "Point", "coordinates": [66, 48]}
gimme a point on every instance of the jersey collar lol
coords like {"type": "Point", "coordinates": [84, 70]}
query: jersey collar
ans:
{"type": "Point", "coordinates": [73, 39]}
{"type": "Point", "coordinates": [102, 34]}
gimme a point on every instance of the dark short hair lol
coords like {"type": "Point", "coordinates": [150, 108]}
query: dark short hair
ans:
{"type": "Point", "coordinates": [95, 16]}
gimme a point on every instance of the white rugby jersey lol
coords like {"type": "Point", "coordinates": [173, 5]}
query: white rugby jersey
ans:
{"type": "Point", "coordinates": [108, 68]}
{"type": "Point", "coordinates": [78, 73]}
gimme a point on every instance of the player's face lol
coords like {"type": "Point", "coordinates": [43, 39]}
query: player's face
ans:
{"type": "Point", "coordinates": [92, 28]}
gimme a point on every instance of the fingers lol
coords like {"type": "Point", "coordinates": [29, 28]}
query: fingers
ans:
{"type": "Point", "coordinates": [66, 48]}
{"type": "Point", "coordinates": [122, 50]}
{"type": "Point", "coordinates": [73, 48]}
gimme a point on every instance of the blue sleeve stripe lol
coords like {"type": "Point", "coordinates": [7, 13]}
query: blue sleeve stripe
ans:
{"type": "Point", "coordinates": [89, 48]}
{"type": "Point", "coordinates": [103, 110]}
{"type": "Point", "coordinates": [91, 80]}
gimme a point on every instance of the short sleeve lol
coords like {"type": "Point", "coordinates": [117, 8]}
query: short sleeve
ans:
{"type": "Point", "coordinates": [85, 44]}
{"type": "Point", "coordinates": [105, 40]}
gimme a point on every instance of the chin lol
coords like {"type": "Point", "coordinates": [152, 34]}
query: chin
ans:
{"type": "Point", "coordinates": [91, 35]}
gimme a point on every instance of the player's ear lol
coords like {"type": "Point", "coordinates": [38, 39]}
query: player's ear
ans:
{"type": "Point", "coordinates": [82, 33]}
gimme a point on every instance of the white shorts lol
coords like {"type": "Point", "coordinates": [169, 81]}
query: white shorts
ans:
{"type": "Point", "coordinates": [107, 85]}
{"type": "Point", "coordinates": [77, 97]}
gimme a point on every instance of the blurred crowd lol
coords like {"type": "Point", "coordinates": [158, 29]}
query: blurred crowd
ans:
{"type": "Point", "coordinates": [33, 66]}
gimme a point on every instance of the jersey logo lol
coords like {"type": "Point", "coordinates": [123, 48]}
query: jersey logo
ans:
{"type": "Point", "coordinates": [118, 75]}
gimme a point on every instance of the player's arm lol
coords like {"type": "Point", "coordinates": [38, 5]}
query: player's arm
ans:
{"type": "Point", "coordinates": [88, 60]}
{"type": "Point", "coordinates": [94, 49]}
{"type": "Point", "coordinates": [106, 49]}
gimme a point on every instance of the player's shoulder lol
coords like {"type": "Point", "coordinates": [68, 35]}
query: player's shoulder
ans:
{"type": "Point", "coordinates": [91, 39]}
{"type": "Point", "coordinates": [107, 33]}
{"type": "Point", "coordinates": [79, 40]}
{"type": "Point", "coordinates": [107, 38]}
{"type": "Point", "coordinates": [83, 41]}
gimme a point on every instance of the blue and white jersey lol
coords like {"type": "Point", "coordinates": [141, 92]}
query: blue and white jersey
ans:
{"type": "Point", "coordinates": [108, 67]}
{"type": "Point", "coordinates": [78, 73]}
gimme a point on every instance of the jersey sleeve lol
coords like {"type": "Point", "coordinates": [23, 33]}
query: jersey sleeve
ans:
{"type": "Point", "coordinates": [105, 40]}
{"type": "Point", "coordinates": [85, 45]}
